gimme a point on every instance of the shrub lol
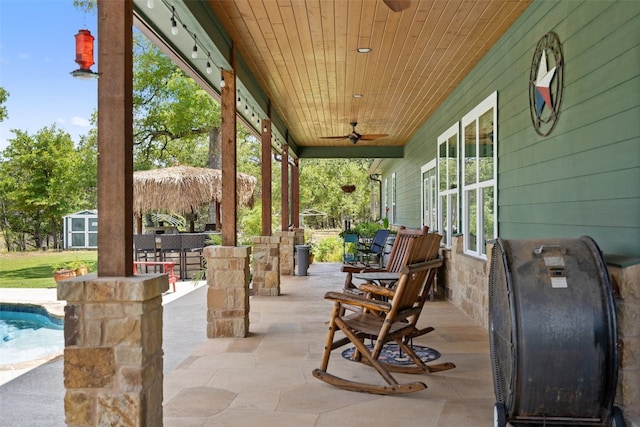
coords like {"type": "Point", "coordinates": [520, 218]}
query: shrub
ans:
{"type": "Point", "coordinates": [328, 249]}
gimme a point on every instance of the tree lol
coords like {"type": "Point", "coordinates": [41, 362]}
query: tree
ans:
{"type": "Point", "coordinates": [39, 183]}
{"type": "Point", "coordinates": [320, 188]}
{"type": "Point", "coordinates": [3, 109]}
{"type": "Point", "coordinates": [173, 117]}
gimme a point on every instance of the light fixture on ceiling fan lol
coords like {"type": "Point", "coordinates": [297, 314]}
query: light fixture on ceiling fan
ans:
{"type": "Point", "coordinates": [354, 136]}
{"type": "Point", "coordinates": [397, 5]}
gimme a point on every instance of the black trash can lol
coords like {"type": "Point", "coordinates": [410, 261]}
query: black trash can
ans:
{"type": "Point", "coordinates": [553, 338]}
{"type": "Point", "coordinates": [302, 259]}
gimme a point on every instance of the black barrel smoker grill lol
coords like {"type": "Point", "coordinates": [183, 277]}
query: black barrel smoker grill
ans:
{"type": "Point", "coordinates": [552, 328]}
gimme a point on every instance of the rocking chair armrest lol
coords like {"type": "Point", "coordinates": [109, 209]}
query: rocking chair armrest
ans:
{"type": "Point", "coordinates": [358, 301]}
{"type": "Point", "coordinates": [377, 290]}
{"type": "Point", "coordinates": [360, 269]}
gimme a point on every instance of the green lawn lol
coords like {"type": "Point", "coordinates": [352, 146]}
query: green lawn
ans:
{"type": "Point", "coordinates": [35, 269]}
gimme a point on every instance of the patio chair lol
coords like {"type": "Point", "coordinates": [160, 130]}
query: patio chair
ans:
{"type": "Point", "coordinates": [145, 249]}
{"type": "Point", "coordinates": [192, 246]}
{"type": "Point", "coordinates": [376, 248]}
{"type": "Point", "coordinates": [349, 243]}
{"type": "Point", "coordinates": [385, 321]}
{"type": "Point", "coordinates": [170, 248]}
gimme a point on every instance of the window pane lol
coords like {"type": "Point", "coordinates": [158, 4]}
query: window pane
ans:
{"type": "Point", "coordinates": [470, 154]}
{"type": "Point", "coordinates": [453, 162]}
{"type": "Point", "coordinates": [487, 201]}
{"type": "Point", "coordinates": [486, 146]}
{"type": "Point", "coordinates": [442, 172]}
{"type": "Point", "coordinates": [433, 203]}
{"type": "Point", "coordinates": [77, 224]}
{"type": "Point", "coordinates": [77, 240]}
{"type": "Point", "coordinates": [93, 239]}
{"type": "Point", "coordinates": [455, 221]}
{"type": "Point", "coordinates": [472, 216]}
{"type": "Point", "coordinates": [443, 219]}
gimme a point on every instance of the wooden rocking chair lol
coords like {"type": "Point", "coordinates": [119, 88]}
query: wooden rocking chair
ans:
{"type": "Point", "coordinates": [406, 238]}
{"type": "Point", "coordinates": [386, 321]}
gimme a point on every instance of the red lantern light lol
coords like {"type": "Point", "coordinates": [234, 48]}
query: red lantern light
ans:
{"type": "Point", "coordinates": [84, 49]}
{"type": "Point", "coordinates": [84, 55]}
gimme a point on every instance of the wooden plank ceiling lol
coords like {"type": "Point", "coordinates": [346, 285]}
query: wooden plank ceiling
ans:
{"type": "Point", "coordinates": [304, 55]}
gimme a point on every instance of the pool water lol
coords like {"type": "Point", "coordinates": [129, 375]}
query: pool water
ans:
{"type": "Point", "coordinates": [28, 333]}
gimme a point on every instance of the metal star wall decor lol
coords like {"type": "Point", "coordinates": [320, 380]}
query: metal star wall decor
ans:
{"type": "Point", "coordinates": [546, 84]}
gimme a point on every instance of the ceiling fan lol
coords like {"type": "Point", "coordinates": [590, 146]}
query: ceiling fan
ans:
{"type": "Point", "coordinates": [398, 5]}
{"type": "Point", "coordinates": [355, 136]}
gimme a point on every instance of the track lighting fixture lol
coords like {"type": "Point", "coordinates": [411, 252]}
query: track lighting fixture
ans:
{"type": "Point", "coordinates": [174, 24]}
{"type": "Point", "coordinates": [194, 52]}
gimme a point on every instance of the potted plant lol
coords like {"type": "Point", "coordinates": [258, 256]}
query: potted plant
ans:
{"type": "Point", "coordinates": [62, 271]}
{"type": "Point", "coordinates": [313, 247]}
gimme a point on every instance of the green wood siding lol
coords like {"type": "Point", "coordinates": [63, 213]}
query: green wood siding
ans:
{"type": "Point", "coordinates": [584, 178]}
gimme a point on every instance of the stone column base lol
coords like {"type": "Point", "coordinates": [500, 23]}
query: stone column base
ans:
{"type": "Point", "coordinates": [113, 350]}
{"type": "Point", "coordinates": [266, 266]}
{"type": "Point", "coordinates": [228, 294]}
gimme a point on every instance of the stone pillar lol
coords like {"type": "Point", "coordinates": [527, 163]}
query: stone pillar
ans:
{"type": "Point", "coordinates": [228, 293]}
{"type": "Point", "coordinates": [287, 247]}
{"type": "Point", "coordinates": [625, 280]}
{"type": "Point", "coordinates": [266, 265]}
{"type": "Point", "coordinates": [113, 350]}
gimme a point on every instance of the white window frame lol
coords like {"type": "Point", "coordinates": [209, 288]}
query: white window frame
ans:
{"type": "Point", "coordinates": [386, 199]}
{"type": "Point", "coordinates": [476, 188]}
{"type": "Point", "coordinates": [452, 193]}
{"type": "Point", "coordinates": [393, 198]}
{"type": "Point", "coordinates": [430, 219]}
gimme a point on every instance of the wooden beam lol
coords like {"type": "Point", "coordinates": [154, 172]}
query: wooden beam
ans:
{"type": "Point", "coordinates": [351, 152]}
{"type": "Point", "coordinates": [284, 209]}
{"type": "Point", "coordinates": [229, 155]}
{"type": "Point", "coordinates": [115, 138]}
{"type": "Point", "coordinates": [295, 194]}
{"type": "Point", "coordinates": [266, 178]}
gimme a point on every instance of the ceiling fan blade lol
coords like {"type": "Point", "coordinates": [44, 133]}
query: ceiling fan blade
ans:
{"type": "Point", "coordinates": [398, 5]}
{"type": "Point", "coordinates": [371, 136]}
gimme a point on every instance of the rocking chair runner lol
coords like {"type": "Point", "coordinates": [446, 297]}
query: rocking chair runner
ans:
{"type": "Point", "coordinates": [386, 321]}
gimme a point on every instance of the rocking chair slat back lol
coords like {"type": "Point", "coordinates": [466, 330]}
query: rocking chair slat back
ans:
{"type": "Point", "coordinates": [405, 239]}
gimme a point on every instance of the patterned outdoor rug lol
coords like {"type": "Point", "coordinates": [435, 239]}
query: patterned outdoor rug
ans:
{"type": "Point", "coordinates": [391, 354]}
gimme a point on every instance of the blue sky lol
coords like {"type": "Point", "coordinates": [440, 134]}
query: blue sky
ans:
{"type": "Point", "coordinates": [37, 53]}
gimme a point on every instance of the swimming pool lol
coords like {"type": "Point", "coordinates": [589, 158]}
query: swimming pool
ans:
{"type": "Point", "coordinates": [28, 332]}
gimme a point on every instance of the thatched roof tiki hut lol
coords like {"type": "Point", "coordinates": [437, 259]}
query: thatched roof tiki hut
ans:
{"type": "Point", "coordinates": [182, 189]}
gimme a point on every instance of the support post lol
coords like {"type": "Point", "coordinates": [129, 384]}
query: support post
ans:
{"type": "Point", "coordinates": [284, 214]}
{"type": "Point", "coordinates": [266, 178]}
{"type": "Point", "coordinates": [229, 155]}
{"type": "Point", "coordinates": [295, 194]}
{"type": "Point", "coordinates": [115, 138]}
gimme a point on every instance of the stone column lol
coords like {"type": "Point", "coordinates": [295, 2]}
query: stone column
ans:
{"type": "Point", "coordinates": [113, 350]}
{"type": "Point", "coordinates": [287, 247]}
{"type": "Point", "coordinates": [228, 293]}
{"type": "Point", "coordinates": [266, 265]}
{"type": "Point", "coordinates": [625, 280]}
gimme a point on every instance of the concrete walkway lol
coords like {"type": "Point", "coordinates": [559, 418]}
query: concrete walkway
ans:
{"type": "Point", "coordinates": [265, 380]}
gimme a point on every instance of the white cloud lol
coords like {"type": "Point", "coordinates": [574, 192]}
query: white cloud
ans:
{"type": "Point", "coordinates": [23, 56]}
{"type": "Point", "coordinates": [61, 121]}
{"type": "Point", "coordinates": [79, 121]}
